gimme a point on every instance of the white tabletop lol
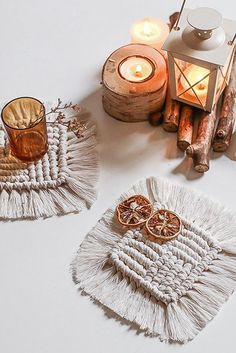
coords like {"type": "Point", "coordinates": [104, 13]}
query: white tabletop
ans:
{"type": "Point", "coordinates": [56, 48]}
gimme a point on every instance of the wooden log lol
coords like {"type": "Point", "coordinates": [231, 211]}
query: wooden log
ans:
{"type": "Point", "coordinates": [133, 101]}
{"type": "Point", "coordinates": [226, 123]}
{"type": "Point", "coordinates": [185, 131]}
{"type": "Point", "coordinates": [199, 150]}
{"type": "Point", "coordinates": [155, 118]}
{"type": "Point", "coordinates": [171, 114]}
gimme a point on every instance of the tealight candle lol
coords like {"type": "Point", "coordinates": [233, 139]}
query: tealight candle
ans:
{"type": "Point", "coordinates": [150, 31]}
{"type": "Point", "coordinates": [136, 69]}
{"type": "Point", "coordinates": [198, 77]}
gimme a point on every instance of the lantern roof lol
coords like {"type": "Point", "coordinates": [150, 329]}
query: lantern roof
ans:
{"type": "Point", "coordinates": [214, 49]}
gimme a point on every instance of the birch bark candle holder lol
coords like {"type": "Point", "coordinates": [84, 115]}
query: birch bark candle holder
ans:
{"type": "Point", "coordinates": [134, 82]}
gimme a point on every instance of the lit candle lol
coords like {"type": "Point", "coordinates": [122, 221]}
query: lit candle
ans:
{"type": "Point", "coordinates": [136, 69]}
{"type": "Point", "coordinates": [198, 77]}
{"type": "Point", "coordinates": [150, 31]}
{"type": "Point", "coordinates": [134, 81]}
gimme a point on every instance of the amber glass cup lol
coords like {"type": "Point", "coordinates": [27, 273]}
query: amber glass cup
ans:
{"type": "Point", "coordinates": [25, 123]}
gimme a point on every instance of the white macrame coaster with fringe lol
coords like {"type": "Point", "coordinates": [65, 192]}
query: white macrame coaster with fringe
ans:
{"type": "Point", "coordinates": [62, 182]}
{"type": "Point", "coordinates": [171, 290]}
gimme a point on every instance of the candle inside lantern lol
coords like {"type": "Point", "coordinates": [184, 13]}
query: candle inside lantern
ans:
{"type": "Point", "coordinates": [150, 31]}
{"type": "Point", "coordinates": [198, 77]}
{"type": "Point", "coordinates": [136, 69]}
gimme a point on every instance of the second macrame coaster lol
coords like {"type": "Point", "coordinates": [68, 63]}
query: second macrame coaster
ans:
{"type": "Point", "coordinates": [62, 182]}
{"type": "Point", "coordinates": [171, 290]}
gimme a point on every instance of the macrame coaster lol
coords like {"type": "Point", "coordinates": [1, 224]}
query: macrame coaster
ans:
{"type": "Point", "coordinates": [62, 182]}
{"type": "Point", "coordinates": [172, 289]}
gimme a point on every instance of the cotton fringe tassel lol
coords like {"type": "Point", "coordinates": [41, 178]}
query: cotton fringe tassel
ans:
{"type": "Point", "coordinates": [74, 194]}
{"type": "Point", "coordinates": [179, 321]}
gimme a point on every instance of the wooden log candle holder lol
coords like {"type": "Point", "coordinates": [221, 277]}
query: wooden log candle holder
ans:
{"type": "Point", "coordinates": [130, 94]}
{"type": "Point", "coordinates": [212, 131]}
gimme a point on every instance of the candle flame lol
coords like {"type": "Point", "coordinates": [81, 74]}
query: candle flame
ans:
{"type": "Point", "coordinates": [197, 74]}
{"type": "Point", "coordinates": [138, 71]}
{"type": "Point", "coordinates": [197, 77]}
{"type": "Point", "coordinates": [202, 82]}
{"type": "Point", "coordinates": [201, 86]}
{"type": "Point", "coordinates": [146, 28]}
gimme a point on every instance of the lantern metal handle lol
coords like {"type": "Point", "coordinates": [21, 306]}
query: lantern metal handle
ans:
{"type": "Point", "coordinates": [176, 27]}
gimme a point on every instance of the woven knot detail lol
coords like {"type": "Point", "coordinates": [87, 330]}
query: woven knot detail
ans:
{"type": "Point", "coordinates": [49, 172]}
{"type": "Point", "coordinates": [165, 271]}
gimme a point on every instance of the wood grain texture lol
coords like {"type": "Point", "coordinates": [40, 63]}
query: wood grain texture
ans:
{"type": "Point", "coordinates": [171, 114]}
{"type": "Point", "coordinates": [226, 123]}
{"type": "Point", "coordinates": [199, 150]}
{"type": "Point", "coordinates": [129, 101]}
{"type": "Point", "coordinates": [185, 130]}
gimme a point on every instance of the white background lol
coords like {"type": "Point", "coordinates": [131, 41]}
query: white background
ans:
{"type": "Point", "coordinates": [55, 48]}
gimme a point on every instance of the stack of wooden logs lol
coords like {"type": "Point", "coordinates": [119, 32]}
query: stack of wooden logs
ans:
{"type": "Point", "coordinates": [213, 130]}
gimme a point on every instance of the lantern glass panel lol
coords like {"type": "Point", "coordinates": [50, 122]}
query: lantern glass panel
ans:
{"type": "Point", "coordinates": [223, 76]}
{"type": "Point", "coordinates": [192, 82]}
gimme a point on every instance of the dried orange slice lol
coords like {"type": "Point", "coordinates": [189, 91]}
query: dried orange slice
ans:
{"type": "Point", "coordinates": [164, 224]}
{"type": "Point", "coordinates": [134, 211]}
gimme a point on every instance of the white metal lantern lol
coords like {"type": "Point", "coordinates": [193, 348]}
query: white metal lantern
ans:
{"type": "Point", "coordinates": [200, 54]}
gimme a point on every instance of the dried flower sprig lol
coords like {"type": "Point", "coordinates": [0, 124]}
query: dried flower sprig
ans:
{"type": "Point", "coordinates": [59, 107]}
{"type": "Point", "coordinates": [74, 125]}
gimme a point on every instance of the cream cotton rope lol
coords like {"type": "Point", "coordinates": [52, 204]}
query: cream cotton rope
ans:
{"type": "Point", "coordinates": [63, 181]}
{"type": "Point", "coordinates": [172, 289]}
